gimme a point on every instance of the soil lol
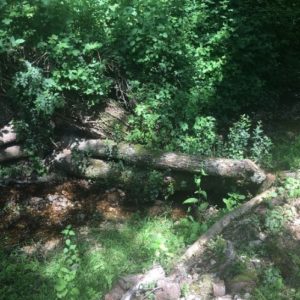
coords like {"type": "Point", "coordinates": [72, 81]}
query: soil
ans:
{"type": "Point", "coordinates": [39, 212]}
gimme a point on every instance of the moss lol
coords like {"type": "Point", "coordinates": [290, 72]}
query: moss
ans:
{"type": "Point", "coordinates": [247, 275]}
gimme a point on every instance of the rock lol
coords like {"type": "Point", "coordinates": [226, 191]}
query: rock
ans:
{"type": "Point", "coordinates": [129, 281]}
{"type": "Point", "coordinates": [238, 297]}
{"type": "Point", "coordinates": [193, 297]}
{"type": "Point", "coordinates": [124, 284]}
{"type": "Point", "coordinates": [115, 294]}
{"type": "Point", "coordinates": [195, 276]}
{"type": "Point", "coordinates": [205, 286]}
{"type": "Point", "coordinates": [168, 290]}
{"type": "Point", "coordinates": [242, 283]}
{"type": "Point", "coordinates": [226, 297]}
{"type": "Point", "coordinates": [219, 289]}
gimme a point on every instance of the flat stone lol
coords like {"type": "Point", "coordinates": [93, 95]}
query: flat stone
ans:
{"type": "Point", "coordinates": [219, 289]}
{"type": "Point", "coordinates": [168, 290]}
{"type": "Point", "coordinates": [226, 297]}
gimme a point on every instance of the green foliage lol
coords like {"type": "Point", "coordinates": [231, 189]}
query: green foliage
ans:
{"type": "Point", "coordinates": [238, 138]}
{"type": "Point", "coordinates": [274, 287]}
{"type": "Point", "coordinates": [131, 247]}
{"type": "Point", "coordinates": [185, 290]}
{"type": "Point", "coordinates": [292, 186]}
{"type": "Point", "coordinates": [198, 203]}
{"type": "Point", "coordinates": [218, 247]}
{"type": "Point", "coordinates": [261, 145]}
{"type": "Point", "coordinates": [151, 189]}
{"type": "Point", "coordinates": [201, 139]}
{"type": "Point", "coordinates": [276, 218]}
{"type": "Point", "coordinates": [65, 286]}
{"type": "Point", "coordinates": [286, 153]}
{"type": "Point", "coordinates": [21, 278]}
{"type": "Point", "coordinates": [183, 64]}
{"type": "Point", "coordinates": [190, 229]}
{"type": "Point", "coordinates": [233, 200]}
{"type": "Point", "coordinates": [243, 143]}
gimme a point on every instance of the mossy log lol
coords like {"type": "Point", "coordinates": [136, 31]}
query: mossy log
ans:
{"type": "Point", "coordinates": [139, 156]}
{"type": "Point", "coordinates": [243, 169]}
{"type": "Point", "coordinates": [111, 171]}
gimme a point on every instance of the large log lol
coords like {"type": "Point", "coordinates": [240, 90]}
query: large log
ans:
{"type": "Point", "coordinates": [113, 172]}
{"type": "Point", "coordinates": [139, 155]}
{"type": "Point", "coordinates": [12, 153]}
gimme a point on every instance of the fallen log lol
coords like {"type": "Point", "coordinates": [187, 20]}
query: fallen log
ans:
{"type": "Point", "coordinates": [12, 153]}
{"type": "Point", "coordinates": [46, 179]}
{"type": "Point", "coordinates": [114, 172]}
{"type": "Point", "coordinates": [190, 256]}
{"type": "Point", "coordinates": [243, 169]}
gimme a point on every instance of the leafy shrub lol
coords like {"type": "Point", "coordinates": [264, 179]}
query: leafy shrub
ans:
{"type": "Point", "coordinates": [65, 286]}
{"type": "Point", "coordinates": [261, 145]}
{"type": "Point", "coordinates": [179, 62]}
{"type": "Point", "coordinates": [239, 137]}
{"type": "Point", "coordinates": [202, 138]}
{"type": "Point", "coordinates": [242, 143]}
{"type": "Point", "coordinates": [276, 218]}
{"type": "Point", "coordinates": [233, 200]}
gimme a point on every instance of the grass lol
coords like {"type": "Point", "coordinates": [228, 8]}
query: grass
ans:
{"type": "Point", "coordinates": [286, 153]}
{"type": "Point", "coordinates": [105, 255]}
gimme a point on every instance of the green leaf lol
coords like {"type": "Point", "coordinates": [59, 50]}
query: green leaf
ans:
{"type": "Point", "coordinates": [6, 21]}
{"type": "Point", "coordinates": [203, 206]}
{"type": "Point", "coordinates": [190, 201]}
{"type": "Point", "coordinates": [61, 285]}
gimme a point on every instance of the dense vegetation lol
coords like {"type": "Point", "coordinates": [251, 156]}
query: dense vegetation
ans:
{"type": "Point", "coordinates": [176, 65]}
{"type": "Point", "coordinates": [213, 78]}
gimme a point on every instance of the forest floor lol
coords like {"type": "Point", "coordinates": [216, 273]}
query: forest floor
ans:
{"type": "Point", "coordinates": [256, 257]}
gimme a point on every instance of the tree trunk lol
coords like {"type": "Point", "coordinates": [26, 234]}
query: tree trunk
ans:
{"type": "Point", "coordinates": [11, 153]}
{"type": "Point", "coordinates": [138, 155]}
{"type": "Point", "coordinates": [114, 172]}
{"type": "Point", "coordinates": [7, 135]}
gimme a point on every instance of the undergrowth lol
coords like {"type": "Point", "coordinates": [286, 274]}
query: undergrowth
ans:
{"type": "Point", "coordinates": [102, 256]}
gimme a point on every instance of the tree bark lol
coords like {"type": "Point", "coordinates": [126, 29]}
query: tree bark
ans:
{"type": "Point", "coordinates": [197, 249]}
{"type": "Point", "coordinates": [139, 155]}
{"type": "Point", "coordinates": [7, 135]}
{"type": "Point", "coordinates": [112, 171]}
{"type": "Point", "coordinates": [11, 153]}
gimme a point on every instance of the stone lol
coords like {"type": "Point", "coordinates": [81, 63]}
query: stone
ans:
{"type": "Point", "coordinates": [226, 297]}
{"type": "Point", "coordinates": [242, 283]}
{"type": "Point", "coordinates": [193, 297]}
{"type": "Point", "coordinates": [129, 281]}
{"type": "Point", "coordinates": [167, 290]}
{"type": "Point", "coordinates": [115, 294]}
{"type": "Point", "coordinates": [205, 285]}
{"type": "Point", "coordinates": [219, 289]}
